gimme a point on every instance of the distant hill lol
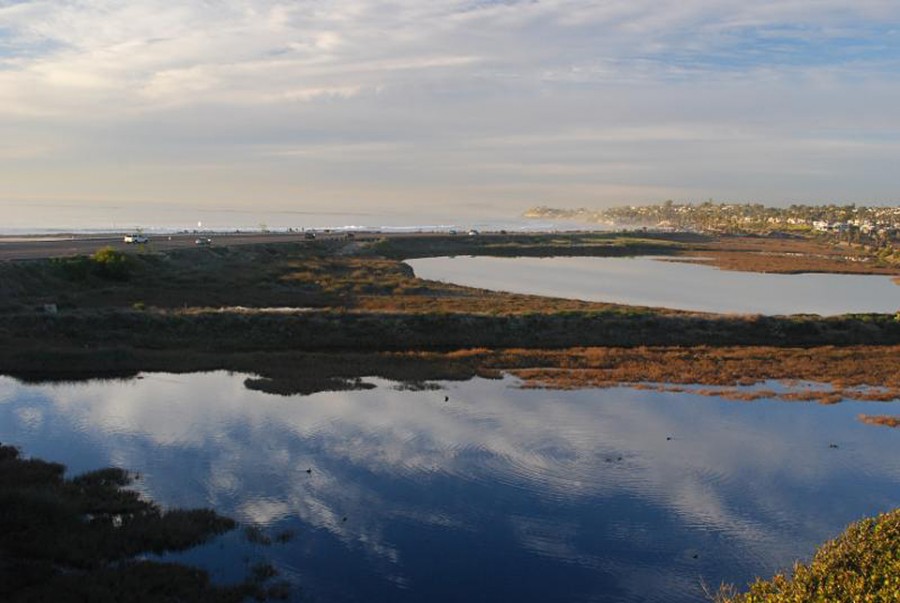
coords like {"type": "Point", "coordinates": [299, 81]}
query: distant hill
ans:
{"type": "Point", "coordinates": [877, 224]}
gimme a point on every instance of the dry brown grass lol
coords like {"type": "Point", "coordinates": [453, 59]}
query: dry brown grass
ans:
{"type": "Point", "coordinates": [885, 420]}
{"type": "Point", "coordinates": [858, 372]}
{"type": "Point", "coordinates": [444, 298]}
{"type": "Point", "coordinates": [787, 256]}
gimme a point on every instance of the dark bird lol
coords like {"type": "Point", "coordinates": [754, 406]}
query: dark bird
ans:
{"type": "Point", "coordinates": [446, 398]}
{"type": "Point", "coordinates": [309, 470]}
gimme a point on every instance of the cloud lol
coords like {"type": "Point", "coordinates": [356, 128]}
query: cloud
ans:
{"type": "Point", "coordinates": [130, 47]}
{"type": "Point", "coordinates": [466, 84]}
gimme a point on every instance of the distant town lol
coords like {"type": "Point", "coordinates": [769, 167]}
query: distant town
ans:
{"type": "Point", "coordinates": [875, 227]}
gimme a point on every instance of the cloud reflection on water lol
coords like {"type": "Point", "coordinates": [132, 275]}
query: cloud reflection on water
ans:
{"type": "Point", "coordinates": [587, 478]}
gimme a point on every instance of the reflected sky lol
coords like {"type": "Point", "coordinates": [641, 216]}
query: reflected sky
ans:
{"type": "Point", "coordinates": [497, 494]}
{"type": "Point", "coordinates": [682, 286]}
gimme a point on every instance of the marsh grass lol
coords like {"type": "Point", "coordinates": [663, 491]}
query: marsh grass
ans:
{"type": "Point", "coordinates": [789, 256]}
{"type": "Point", "coordinates": [845, 368]}
{"type": "Point", "coordinates": [884, 420]}
{"type": "Point", "coordinates": [520, 245]}
{"type": "Point", "coordinates": [205, 309]}
{"type": "Point", "coordinates": [857, 373]}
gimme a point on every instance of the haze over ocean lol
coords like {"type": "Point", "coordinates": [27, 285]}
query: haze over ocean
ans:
{"type": "Point", "coordinates": [162, 218]}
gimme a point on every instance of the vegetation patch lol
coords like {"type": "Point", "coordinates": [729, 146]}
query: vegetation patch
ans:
{"type": "Point", "coordinates": [885, 420]}
{"type": "Point", "coordinates": [607, 244]}
{"type": "Point", "coordinates": [736, 372]}
{"type": "Point", "coordinates": [789, 256]}
{"type": "Point", "coordinates": [104, 264]}
{"type": "Point", "coordinates": [866, 373]}
{"type": "Point", "coordinates": [80, 539]}
{"type": "Point", "coordinates": [862, 564]}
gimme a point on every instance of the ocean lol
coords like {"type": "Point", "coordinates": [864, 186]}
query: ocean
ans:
{"type": "Point", "coordinates": [33, 218]}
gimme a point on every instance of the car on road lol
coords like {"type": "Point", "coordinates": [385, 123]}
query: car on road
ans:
{"type": "Point", "coordinates": [204, 241]}
{"type": "Point", "coordinates": [132, 239]}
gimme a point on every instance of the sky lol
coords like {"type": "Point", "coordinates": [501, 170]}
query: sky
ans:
{"type": "Point", "coordinates": [144, 109]}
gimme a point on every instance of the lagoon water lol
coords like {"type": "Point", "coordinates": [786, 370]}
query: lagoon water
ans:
{"type": "Point", "coordinates": [653, 282]}
{"type": "Point", "coordinates": [499, 494]}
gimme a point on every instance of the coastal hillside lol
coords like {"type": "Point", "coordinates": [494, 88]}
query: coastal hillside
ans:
{"type": "Point", "coordinates": [875, 227]}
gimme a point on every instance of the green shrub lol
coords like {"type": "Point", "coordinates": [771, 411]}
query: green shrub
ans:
{"type": "Point", "coordinates": [105, 263]}
{"type": "Point", "coordinates": [111, 264]}
{"type": "Point", "coordinates": [862, 564]}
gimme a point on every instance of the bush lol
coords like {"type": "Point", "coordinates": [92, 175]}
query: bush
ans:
{"type": "Point", "coordinates": [105, 263]}
{"type": "Point", "coordinates": [111, 264]}
{"type": "Point", "coordinates": [862, 564]}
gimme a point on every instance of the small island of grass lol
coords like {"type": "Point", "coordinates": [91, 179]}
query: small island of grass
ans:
{"type": "Point", "coordinates": [82, 538]}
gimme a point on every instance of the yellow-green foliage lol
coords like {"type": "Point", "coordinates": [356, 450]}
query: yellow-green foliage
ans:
{"type": "Point", "coordinates": [105, 263]}
{"type": "Point", "coordinates": [109, 263]}
{"type": "Point", "coordinates": [861, 565]}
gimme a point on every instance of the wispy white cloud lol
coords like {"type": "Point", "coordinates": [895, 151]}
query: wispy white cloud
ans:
{"type": "Point", "coordinates": [465, 84]}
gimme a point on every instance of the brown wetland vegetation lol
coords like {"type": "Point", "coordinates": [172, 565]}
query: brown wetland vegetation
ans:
{"type": "Point", "coordinates": [791, 255]}
{"type": "Point", "coordinates": [884, 420]}
{"type": "Point", "coordinates": [345, 309]}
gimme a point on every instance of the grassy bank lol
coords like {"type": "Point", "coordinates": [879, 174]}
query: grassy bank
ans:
{"type": "Point", "coordinates": [35, 335]}
{"type": "Point", "coordinates": [862, 564]}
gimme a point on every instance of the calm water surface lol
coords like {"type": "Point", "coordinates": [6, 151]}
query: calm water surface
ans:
{"type": "Point", "coordinates": [498, 494]}
{"type": "Point", "coordinates": [651, 282]}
